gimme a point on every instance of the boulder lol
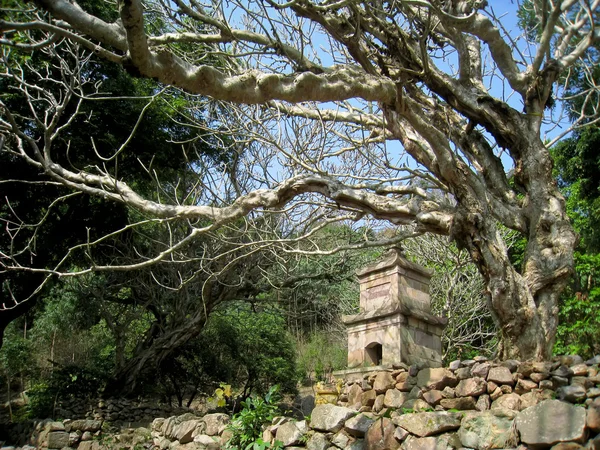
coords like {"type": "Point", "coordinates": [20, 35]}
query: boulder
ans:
{"type": "Point", "coordinates": [580, 370]}
{"type": "Point", "coordinates": [394, 398]}
{"type": "Point", "coordinates": [500, 375]}
{"type": "Point", "coordinates": [523, 386]}
{"type": "Point", "coordinates": [463, 373]}
{"type": "Point", "coordinates": [441, 442]}
{"type": "Point", "coordinates": [203, 441]}
{"type": "Point", "coordinates": [58, 439]}
{"type": "Point", "coordinates": [341, 439]}
{"type": "Point", "coordinates": [368, 397]}
{"type": "Point", "coordinates": [416, 404]}
{"type": "Point", "coordinates": [330, 417]}
{"type": "Point", "coordinates": [214, 424]}
{"type": "Point", "coordinates": [378, 403]}
{"type": "Point", "coordinates": [380, 436]}
{"type": "Point", "coordinates": [354, 394]}
{"type": "Point", "coordinates": [483, 403]}
{"type": "Point", "coordinates": [184, 432]}
{"type": "Point", "coordinates": [593, 417]}
{"type": "Point", "coordinates": [318, 441]}
{"type": "Point", "coordinates": [489, 429]}
{"type": "Point", "coordinates": [433, 397]}
{"type": "Point", "coordinates": [573, 394]}
{"type": "Point", "coordinates": [383, 382]}
{"type": "Point", "coordinates": [481, 370]}
{"type": "Point", "coordinates": [544, 424]}
{"type": "Point", "coordinates": [471, 387]}
{"type": "Point", "coordinates": [291, 433]}
{"type": "Point", "coordinates": [90, 425]}
{"type": "Point", "coordinates": [428, 423]}
{"type": "Point", "coordinates": [507, 401]}
{"type": "Point", "coordinates": [461, 403]}
{"type": "Point", "coordinates": [357, 426]}
{"type": "Point", "coordinates": [535, 396]}
{"type": "Point", "coordinates": [436, 378]}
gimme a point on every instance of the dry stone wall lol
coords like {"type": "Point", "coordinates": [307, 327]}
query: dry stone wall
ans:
{"type": "Point", "coordinates": [474, 404]}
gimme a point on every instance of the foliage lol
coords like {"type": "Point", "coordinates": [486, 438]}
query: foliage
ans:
{"type": "Point", "coordinates": [320, 354]}
{"type": "Point", "coordinates": [252, 349]}
{"type": "Point", "coordinates": [579, 328]}
{"type": "Point", "coordinates": [240, 348]}
{"type": "Point", "coordinates": [247, 425]}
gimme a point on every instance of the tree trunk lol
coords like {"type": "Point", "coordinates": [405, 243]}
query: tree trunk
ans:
{"type": "Point", "coordinates": [524, 304]}
{"type": "Point", "coordinates": [127, 378]}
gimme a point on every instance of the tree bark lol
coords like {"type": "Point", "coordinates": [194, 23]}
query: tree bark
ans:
{"type": "Point", "coordinates": [127, 379]}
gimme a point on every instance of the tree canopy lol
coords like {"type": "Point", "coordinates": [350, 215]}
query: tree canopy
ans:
{"type": "Point", "coordinates": [410, 112]}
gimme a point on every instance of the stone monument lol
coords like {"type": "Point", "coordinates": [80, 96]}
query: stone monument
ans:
{"type": "Point", "coordinates": [395, 324]}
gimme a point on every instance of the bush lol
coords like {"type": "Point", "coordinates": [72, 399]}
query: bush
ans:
{"type": "Point", "coordinates": [320, 355]}
{"type": "Point", "coordinates": [247, 425]}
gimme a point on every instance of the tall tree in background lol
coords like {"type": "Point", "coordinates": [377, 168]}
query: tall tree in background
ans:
{"type": "Point", "coordinates": [464, 98]}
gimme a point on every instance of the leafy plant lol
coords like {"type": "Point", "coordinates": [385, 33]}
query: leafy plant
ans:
{"type": "Point", "coordinates": [247, 425]}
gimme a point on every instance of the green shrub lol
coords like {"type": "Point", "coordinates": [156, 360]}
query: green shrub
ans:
{"type": "Point", "coordinates": [247, 425]}
{"type": "Point", "coordinates": [41, 401]}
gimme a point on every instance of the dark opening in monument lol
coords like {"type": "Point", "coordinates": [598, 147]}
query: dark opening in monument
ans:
{"type": "Point", "coordinates": [374, 354]}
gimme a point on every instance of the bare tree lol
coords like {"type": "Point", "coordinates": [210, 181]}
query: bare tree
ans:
{"type": "Point", "coordinates": [328, 89]}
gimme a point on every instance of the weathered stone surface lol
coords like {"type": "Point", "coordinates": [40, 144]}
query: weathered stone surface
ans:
{"type": "Point", "coordinates": [584, 382]}
{"type": "Point", "coordinates": [580, 370]}
{"type": "Point", "coordinates": [354, 394]}
{"type": "Point", "coordinates": [483, 403]}
{"type": "Point", "coordinates": [433, 397]}
{"type": "Point", "coordinates": [573, 394]}
{"type": "Point", "coordinates": [546, 384]}
{"type": "Point", "coordinates": [544, 424]}
{"type": "Point", "coordinates": [500, 375]}
{"type": "Point", "coordinates": [566, 446]}
{"type": "Point", "coordinates": [441, 442]}
{"type": "Point", "coordinates": [471, 387]}
{"type": "Point", "coordinates": [535, 396]}
{"type": "Point", "coordinates": [593, 417]}
{"type": "Point", "coordinates": [507, 401]}
{"type": "Point", "coordinates": [58, 439]}
{"type": "Point", "coordinates": [416, 404]}
{"type": "Point", "coordinates": [463, 373]}
{"type": "Point", "coordinates": [215, 423]}
{"type": "Point", "coordinates": [184, 432]}
{"type": "Point", "coordinates": [506, 389]}
{"type": "Point", "coordinates": [378, 404]}
{"type": "Point", "coordinates": [449, 392]}
{"type": "Point", "coordinates": [400, 434]}
{"type": "Point", "coordinates": [291, 433]}
{"type": "Point", "coordinates": [428, 423]}
{"type": "Point", "coordinates": [358, 425]}
{"type": "Point", "coordinates": [537, 377]}
{"type": "Point", "coordinates": [383, 382]}
{"type": "Point", "coordinates": [568, 360]}
{"type": "Point", "coordinates": [436, 378]}
{"type": "Point", "coordinates": [318, 441]}
{"type": "Point", "coordinates": [481, 370]}
{"type": "Point", "coordinates": [341, 439]}
{"type": "Point", "coordinates": [394, 398]}
{"type": "Point", "coordinates": [523, 386]}
{"type": "Point", "coordinates": [367, 398]}
{"type": "Point", "coordinates": [562, 371]}
{"type": "Point", "coordinates": [205, 441]}
{"type": "Point", "coordinates": [380, 436]}
{"type": "Point", "coordinates": [157, 424]}
{"type": "Point", "coordinates": [454, 365]}
{"type": "Point", "coordinates": [594, 360]}
{"type": "Point", "coordinates": [461, 403]}
{"type": "Point", "coordinates": [330, 417]}
{"type": "Point", "coordinates": [87, 425]}
{"type": "Point", "coordinates": [511, 364]}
